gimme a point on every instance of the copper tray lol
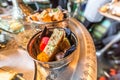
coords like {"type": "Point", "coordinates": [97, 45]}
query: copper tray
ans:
{"type": "Point", "coordinates": [83, 67]}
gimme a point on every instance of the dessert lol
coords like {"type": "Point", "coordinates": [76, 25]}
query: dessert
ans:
{"type": "Point", "coordinates": [52, 47]}
{"type": "Point", "coordinates": [52, 44]}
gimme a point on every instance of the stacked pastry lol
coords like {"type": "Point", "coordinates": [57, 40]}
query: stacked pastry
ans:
{"type": "Point", "coordinates": [47, 15]}
{"type": "Point", "coordinates": [56, 42]}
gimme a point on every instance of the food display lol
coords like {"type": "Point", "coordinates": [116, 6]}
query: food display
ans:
{"type": "Point", "coordinates": [112, 8]}
{"type": "Point", "coordinates": [52, 44]}
{"type": "Point", "coordinates": [50, 40]}
{"type": "Point", "coordinates": [48, 15]}
{"type": "Point", "coordinates": [16, 26]}
{"type": "Point", "coordinates": [11, 26]}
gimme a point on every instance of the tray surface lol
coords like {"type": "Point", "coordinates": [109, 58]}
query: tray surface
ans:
{"type": "Point", "coordinates": [83, 67]}
{"type": "Point", "coordinates": [17, 60]}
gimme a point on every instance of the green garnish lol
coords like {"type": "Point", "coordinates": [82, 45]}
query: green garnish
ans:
{"type": "Point", "coordinates": [55, 10]}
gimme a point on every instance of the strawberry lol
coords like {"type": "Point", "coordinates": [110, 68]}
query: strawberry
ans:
{"type": "Point", "coordinates": [43, 43]}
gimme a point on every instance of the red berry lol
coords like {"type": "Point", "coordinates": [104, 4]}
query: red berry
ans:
{"type": "Point", "coordinates": [102, 78]}
{"type": "Point", "coordinates": [43, 43]}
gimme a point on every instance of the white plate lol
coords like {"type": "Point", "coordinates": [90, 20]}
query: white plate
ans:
{"type": "Point", "coordinates": [17, 60]}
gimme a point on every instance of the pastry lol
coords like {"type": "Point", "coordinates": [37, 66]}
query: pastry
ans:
{"type": "Point", "coordinates": [53, 44]}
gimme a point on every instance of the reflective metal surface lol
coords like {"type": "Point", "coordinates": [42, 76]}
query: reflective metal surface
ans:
{"type": "Point", "coordinates": [84, 65]}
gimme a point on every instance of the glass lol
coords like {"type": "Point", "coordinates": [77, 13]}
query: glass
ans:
{"type": "Point", "coordinates": [51, 67]}
{"type": "Point", "coordinates": [19, 31]}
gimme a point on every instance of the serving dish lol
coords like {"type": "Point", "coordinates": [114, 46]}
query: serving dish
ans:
{"type": "Point", "coordinates": [84, 65]}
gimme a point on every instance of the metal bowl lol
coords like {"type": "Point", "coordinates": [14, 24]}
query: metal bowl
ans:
{"type": "Point", "coordinates": [84, 65]}
{"type": "Point", "coordinates": [33, 50]}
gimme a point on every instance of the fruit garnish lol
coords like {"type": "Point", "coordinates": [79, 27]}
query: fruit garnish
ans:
{"type": "Point", "coordinates": [43, 57]}
{"type": "Point", "coordinates": [43, 43]}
